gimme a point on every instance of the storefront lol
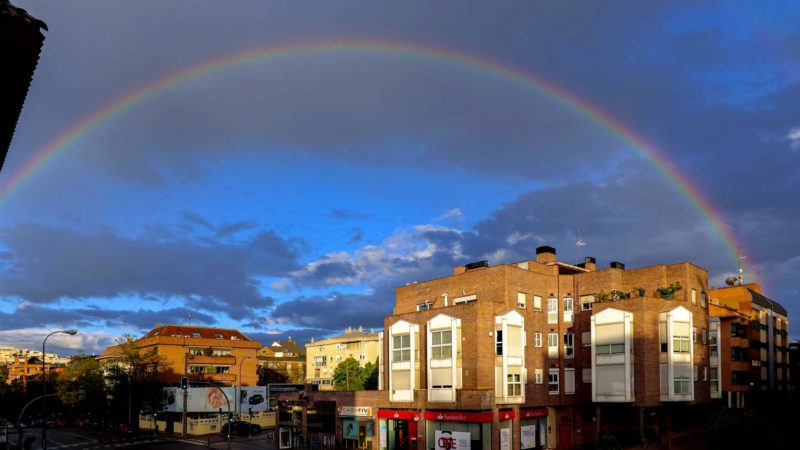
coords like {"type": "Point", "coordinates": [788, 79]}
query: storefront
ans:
{"type": "Point", "coordinates": [533, 428]}
{"type": "Point", "coordinates": [506, 420]}
{"type": "Point", "coordinates": [358, 427]}
{"type": "Point", "coordinates": [398, 429]}
{"type": "Point", "coordinates": [458, 429]}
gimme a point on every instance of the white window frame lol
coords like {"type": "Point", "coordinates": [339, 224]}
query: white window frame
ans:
{"type": "Point", "coordinates": [569, 309]}
{"type": "Point", "coordinates": [680, 382]}
{"type": "Point", "coordinates": [552, 345]}
{"type": "Point", "coordinates": [537, 303]}
{"type": "Point", "coordinates": [552, 310]}
{"type": "Point", "coordinates": [567, 372]}
{"type": "Point", "coordinates": [439, 348]}
{"type": "Point", "coordinates": [569, 345]}
{"type": "Point", "coordinates": [498, 342]}
{"type": "Point", "coordinates": [538, 375]}
{"type": "Point", "coordinates": [586, 339]}
{"type": "Point", "coordinates": [537, 339]}
{"type": "Point", "coordinates": [399, 349]}
{"type": "Point", "coordinates": [521, 300]}
{"type": "Point", "coordinates": [514, 385]}
{"type": "Point", "coordinates": [694, 296]}
{"type": "Point", "coordinates": [586, 302]}
{"type": "Point", "coordinates": [552, 379]}
{"type": "Point", "coordinates": [703, 299]}
{"type": "Point", "coordinates": [424, 306]}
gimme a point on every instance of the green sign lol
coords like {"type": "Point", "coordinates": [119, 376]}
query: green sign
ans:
{"type": "Point", "coordinates": [350, 428]}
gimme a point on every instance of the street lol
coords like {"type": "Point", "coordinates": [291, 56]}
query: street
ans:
{"type": "Point", "coordinates": [79, 439]}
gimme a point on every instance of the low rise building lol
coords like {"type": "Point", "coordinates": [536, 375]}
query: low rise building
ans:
{"type": "Point", "coordinates": [749, 344]}
{"type": "Point", "coordinates": [22, 370]}
{"type": "Point", "coordinates": [220, 355]}
{"type": "Point", "coordinates": [287, 357]}
{"type": "Point", "coordinates": [323, 356]}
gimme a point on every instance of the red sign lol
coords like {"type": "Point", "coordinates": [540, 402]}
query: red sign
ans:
{"type": "Point", "coordinates": [407, 415]}
{"type": "Point", "coordinates": [506, 415]}
{"type": "Point", "coordinates": [459, 416]}
{"type": "Point", "coordinates": [531, 413]}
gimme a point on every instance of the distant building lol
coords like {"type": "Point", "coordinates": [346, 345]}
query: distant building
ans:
{"type": "Point", "coordinates": [9, 354]}
{"type": "Point", "coordinates": [749, 344]}
{"type": "Point", "coordinates": [21, 41]}
{"type": "Point", "coordinates": [218, 355]}
{"type": "Point", "coordinates": [21, 370]}
{"type": "Point", "coordinates": [287, 356]}
{"type": "Point", "coordinates": [322, 357]}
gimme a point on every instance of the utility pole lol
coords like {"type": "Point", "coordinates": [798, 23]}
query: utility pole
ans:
{"type": "Point", "coordinates": [185, 391]}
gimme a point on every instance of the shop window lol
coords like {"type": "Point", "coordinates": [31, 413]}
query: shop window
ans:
{"type": "Point", "coordinates": [552, 381]}
{"type": "Point", "coordinates": [401, 348]}
{"type": "Point", "coordinates": [441, 344]}
{"type": "Point", "coordinates": [552, 310]}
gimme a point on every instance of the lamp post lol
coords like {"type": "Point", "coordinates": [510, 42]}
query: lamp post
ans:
{"type": "Point", "coordinates": [44, 384]}
{"type": "Point", "coordinates": [239, 393]}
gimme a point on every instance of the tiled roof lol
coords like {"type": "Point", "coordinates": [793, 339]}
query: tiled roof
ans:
{"type": "Point", "coordinates": [766, 302]}
{"type": "Point", "coordinates": [196, 332]}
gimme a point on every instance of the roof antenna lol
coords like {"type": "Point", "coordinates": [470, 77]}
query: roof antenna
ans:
{"type": "Point", "coordinates": [578, 243]}
{"type": "Point", "coordinates": [741, 268]}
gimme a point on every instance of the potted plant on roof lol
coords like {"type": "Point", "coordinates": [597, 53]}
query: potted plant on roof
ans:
{"type": "Point", "coordinates": [639, 291]}
{"type": "Point", "coordinates": [669, 291]}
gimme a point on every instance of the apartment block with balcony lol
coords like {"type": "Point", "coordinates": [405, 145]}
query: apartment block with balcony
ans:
{"type": "Point", "coordinates": [223, 356]}
{"type": "Point", "coordinates": [538, 353]}
{"type": "Point", "coordinates": [751, 346]}
{"type": "Point", "coordinates": [323, 356]}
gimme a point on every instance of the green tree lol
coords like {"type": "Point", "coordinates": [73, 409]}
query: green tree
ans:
{"type": "Point", "coordinates": [81, 386]}
{"type": "Point", "coordinates": [371, 373]}
{"type": "Point", "coordinates": [132, 375]}
{"type": "Point", "coordinates": [348, 376]}
{"type": "Point", "coordinates": [275, 373]}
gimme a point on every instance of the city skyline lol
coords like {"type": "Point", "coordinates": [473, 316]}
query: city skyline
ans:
{"type": "Point", "coordinates": [281, 169]}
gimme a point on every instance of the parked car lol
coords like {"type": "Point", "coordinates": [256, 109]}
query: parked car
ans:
{"type": "Point", "coordinates": [241, 428]}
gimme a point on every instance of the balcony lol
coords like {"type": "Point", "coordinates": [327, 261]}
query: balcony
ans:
{"type": "Point", "coordinates": [215, 360]}
{"type": "Point", "coordinates": [213, 377]}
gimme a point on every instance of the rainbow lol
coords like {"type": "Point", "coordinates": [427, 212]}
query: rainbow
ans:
{"type": "Point", "coordinates": [528, 80]}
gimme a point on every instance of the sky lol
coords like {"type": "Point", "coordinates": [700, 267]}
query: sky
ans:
{"type": "Point", "coordinates": [354, 147]}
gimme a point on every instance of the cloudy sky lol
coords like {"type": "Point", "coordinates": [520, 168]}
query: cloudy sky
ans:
{"type": "Point", "coordinates": [290, 195]}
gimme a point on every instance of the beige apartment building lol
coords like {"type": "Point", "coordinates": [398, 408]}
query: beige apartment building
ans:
{"type": "Point", "coordinates": [324, 355]}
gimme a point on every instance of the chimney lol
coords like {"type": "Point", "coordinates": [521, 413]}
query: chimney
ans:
{"type": "Point", "coordinates": [589, 264]}
{"type": "Point", "coordinates": [617, 265]}
{"type": "Point", "coordinates": [545, 254]}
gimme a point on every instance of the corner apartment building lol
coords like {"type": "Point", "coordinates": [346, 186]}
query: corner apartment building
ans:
{"type": "Point", "coordinates": [542, 353]}
{"type": "Point", "coordinates": [220, 355]}
{"type": "Point", "coordinates": [323, 356]}
{"type": "Point", "coordinates": [749, 344]}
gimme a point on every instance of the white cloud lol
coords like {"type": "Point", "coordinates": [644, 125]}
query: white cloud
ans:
{"type": "Point", "coordinates": [794, 138]}
{"type": "Point", "coordinates": [454, 213]}
{"type": "Point", "coordinates": [90, 342]}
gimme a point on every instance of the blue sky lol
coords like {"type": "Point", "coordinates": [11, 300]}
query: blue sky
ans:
{"type": "Point", "coordinates": [289, 197]}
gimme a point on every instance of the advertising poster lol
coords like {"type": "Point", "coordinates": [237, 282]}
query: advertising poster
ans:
{"type": "Point", "coordinates": [383, 437]}
{"type": "Point", "coordinates": [528, 436]}
{"type": "Point", "coordinates": [253, 398]}
{"type": "Point", "coordinates": [350, 428]}
{"type": "Point", "coordinates": [199, 399]}
{"type": "Point", "coordinates": [505, 439]}
{"type": "Point", "coordinates": [452, 440]}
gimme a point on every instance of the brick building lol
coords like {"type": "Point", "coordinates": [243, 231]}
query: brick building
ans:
{"type": "Point", "coordinates": [30, 368]}
{"type": "Point", "coordinates": [749, 344]}
{"type": "Point", "coordinates": [200, 353]}
{"type": "Point", "coordinates": [323, 356]}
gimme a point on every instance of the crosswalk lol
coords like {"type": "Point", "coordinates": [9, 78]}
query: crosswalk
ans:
{"type": "Point", "coordinates": [114, 443]}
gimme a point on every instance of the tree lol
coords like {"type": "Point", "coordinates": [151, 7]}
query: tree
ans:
{"type": "Point", "coordinates": [133, 379]}
{"type": "Point", "coordinates": [298, 373]}
{"type": "Point", "coordinates": [348, 376]}
{"type": "Point", "coordinates": [81, 386]}
{"type": "Point", "coordinates": [275, 374]}
{"type": "Point", "coordinates": [371, 374]}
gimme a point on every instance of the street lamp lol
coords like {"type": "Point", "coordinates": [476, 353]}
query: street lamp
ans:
{"type": "Point", "coordinates": [44, 384]}
{"type": "Point", "coordinates": [239, 393]}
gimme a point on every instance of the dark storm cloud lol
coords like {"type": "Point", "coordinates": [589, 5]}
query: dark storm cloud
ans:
{"type": "Point", "coordinates": [300, 335]}
{"type": "Point", "coordinates": [348, 214]}
{"type": "Point", "coordinates": [51, 263]}
{"type": "Point", "coordinates": [335, 312]}
{"type": "Point", "coordinates": [31, 316]}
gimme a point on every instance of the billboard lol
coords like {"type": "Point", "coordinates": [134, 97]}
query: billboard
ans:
{"type": "Point", "coordinates": [210, 399]}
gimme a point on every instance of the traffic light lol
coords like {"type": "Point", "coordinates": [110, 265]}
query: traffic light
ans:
{"type": "Point", "coordinates": [184, 383]}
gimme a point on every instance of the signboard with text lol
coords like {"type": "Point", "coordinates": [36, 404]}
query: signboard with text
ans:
{"type": "Point", "coordinates": [451, 440]}
{"type": "Point", "coordinates": [355, 411]}
{"type": "Point", "coordinates": [527, 436]}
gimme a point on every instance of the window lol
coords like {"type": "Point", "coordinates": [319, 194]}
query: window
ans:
{"type": "Point", "coordinates": [552, 381]}
{"type": "Point", "coordinates": [587, 375]}
{"type": "Point", "coordinates": [498, 341]}
{"type": "Point", "coordinates": [441, 344]}
{"type": "Point", "coordinates": [610, 349]}
{"type": "Point", "coordinates": [705, 373]}
{"type": "Point", "coordinates": [424, 306]}
{"type": "Point", "coordinates": [465, 299]}
{"type": "Point", "coordinates": [552, 345]}
{"type": "Point", "coordinates": [586, 339]}
{"type": "Point", "coordinates": [696, 370]}
{"type": "Point", "coordinates": [586, 302]}
{"type": "Point", "coordinates": [569, 345]}
{"type": "Point", "coordinates": [218, 336]}
{"type": "Point", "coordinates": [680, 344]}
{"type": "Point", "coordinates": [694, 296]}
{"type": "Point", "coordinates": [712, 341]}
{"type": "Point", "coordinates": [221, 352]}
{"type": "Point", "coordinates": [714, 379]}
{"type": "Point", "coordinates": [569, 381]}
{"type": "Point", "coordinates": [569, 309]}
{"type": "Point", "coordinates": [537, 339]}
{"type": "Point", "coordinates": [539, 376]}
{"type": "Point", "coordinates": [682, 385]}
{"type": "Point", "coordinates": [703, 336]}
{"type": "Point", "coordinates": [402, 348]}
{"type": "Point", "coordinates": [362, 357]}
{"type": "Point", "coordinates": [338, 357]}
{"type": "Point", "coordinates": [537, 303]}
{"type": "Point", "coordinates": [521, 298]}
{"type": "Point", "coordinates": [694, 335]}
{"type": "Point", "coordinates": [552, 310]}
{"type": "Point", "coordinates": [197, 334]}
{"type": "Point", "coordinates": [514, 385]}
{"type": "Point", "coordinates": [320, 360]}
{"type": "Point", "coordinates": [703, 299]}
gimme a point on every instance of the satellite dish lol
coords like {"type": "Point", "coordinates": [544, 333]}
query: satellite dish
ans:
{"type": "Point", "coordinates": [731, 281]}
